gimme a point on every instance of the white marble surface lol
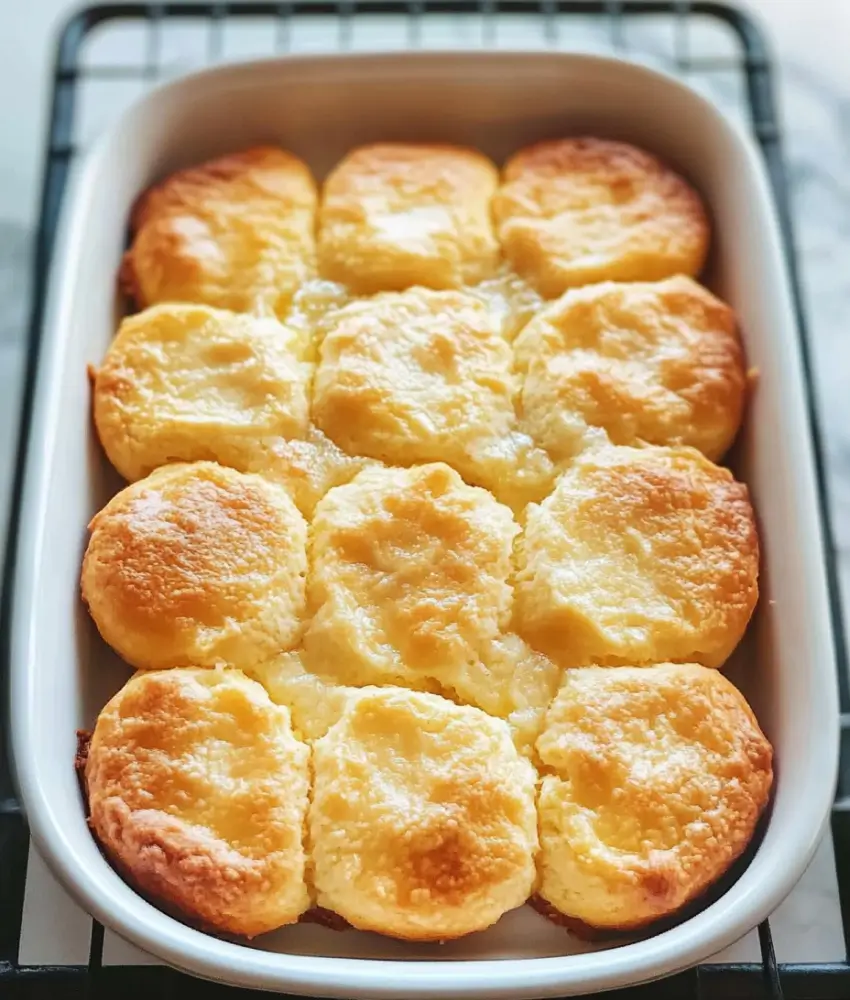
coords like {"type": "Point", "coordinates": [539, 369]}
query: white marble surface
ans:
{"type": "Point", "coordinates": [808, 38]}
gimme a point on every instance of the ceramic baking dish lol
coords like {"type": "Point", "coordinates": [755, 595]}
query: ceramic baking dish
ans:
{"type": "Point", "coordinates": [320, 107]}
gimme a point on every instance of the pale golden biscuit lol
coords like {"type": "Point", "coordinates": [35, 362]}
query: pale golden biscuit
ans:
{"type": "Point", "coordinates": [409, 579]}
{"type": "Point", "coordinates": [198, 794]}
{"type": "Point", "coordinates": [422, 824]}
{"type": "Point", "coordinates": [640, 555]}
{"type": "Point", "coordinates": [395, 215]}
{"type": "Point", "coordinates": [187, 382]}
{"type": "Point", "coordinates": [197, 565]}
{"type": "Point", "coordinates": [576, 211]}
{"type": "Point", "coordinates": [655, 778]}
{"type": "Point", "coordinates": [425, 376]}
{"type": "Point", "coordinates": [659, 362]}
{"type": "Point", "coordinates": [236, 232]}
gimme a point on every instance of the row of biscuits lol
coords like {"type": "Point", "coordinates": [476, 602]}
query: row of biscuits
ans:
{"type": "Point", "coordinates": [408, 578]}
{"type": "Point", "coordinates": [421, 376]}
{"type": "Point", "coordinates": [415, 817]}
{"type": "Point", "coordinates": [244, 232]}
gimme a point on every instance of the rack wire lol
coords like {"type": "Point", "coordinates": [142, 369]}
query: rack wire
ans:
{"type": "Point", "coordinates": [711, 44]}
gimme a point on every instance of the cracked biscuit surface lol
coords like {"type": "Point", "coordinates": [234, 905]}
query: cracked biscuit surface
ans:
{"type": "Point", "coordinates": [198, 792]}
{"type": "Point", "coordinates": [422, 823]}
{"type": "Point", "coordinates": [577, 211]}
{"type": "Point", "coordinates": [236, 232]}
{"type": "Point", "coordinates": [424, 376]}
{"type": "Point", "coordinates": [395, 215]}
{"type": "Point", "coordinates": [410, 584]}
{"type": "Point", "coordinates": [184, 383]}
{"type": "Point", "coordinates": [640, 555]}
{"type": "Point", "coordinates": [409, 577]}
{"type": "Point", "coordinates": [197, 565]}
{"type": "Point", "coordinates": [654, 779]}
{"type": "Point", "coordinates": [658, 362]}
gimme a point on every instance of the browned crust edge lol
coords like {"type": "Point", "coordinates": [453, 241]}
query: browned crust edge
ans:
{"type": "Point", "coordinates": [128, 285]}
{"type": "Point", "coordinates": [656, 925]}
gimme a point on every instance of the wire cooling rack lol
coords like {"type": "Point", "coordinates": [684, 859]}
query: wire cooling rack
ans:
{"type": "Point", "coordinates": [110, 54]}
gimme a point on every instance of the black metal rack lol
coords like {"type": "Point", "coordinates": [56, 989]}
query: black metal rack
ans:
{"type": "Point", "coordinates": [752, 64]}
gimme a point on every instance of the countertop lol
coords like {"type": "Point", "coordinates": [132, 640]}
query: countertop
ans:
{"type": "Point", "coordinates": [808, 38]}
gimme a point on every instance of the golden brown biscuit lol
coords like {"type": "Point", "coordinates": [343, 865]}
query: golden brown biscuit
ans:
{"type": "Point", "coordinates": [425, 376]}
{"type": "Point", "coordinates": [198, 794]}
{"type": "Point", "coordinates": [576, 211]}
{"type": "Point", "coordinates": [197, 565]}
{"type": "Point", "coordinates": [409, 578]}
{"type": "Point", "coordinates": [236, 232]}
{"type": "Point", "coordinates": [187, 382]}
{"type": "Point", "coordinates": [395, 215]}
{"type": "Point", "coordinates": [422, 823]}
{"type": "Point", "coordinates": [655, 778]}
{"type": "Point", "coordinates": [640, 555]}
{"type": "Point", "coordinates": [659, 362]}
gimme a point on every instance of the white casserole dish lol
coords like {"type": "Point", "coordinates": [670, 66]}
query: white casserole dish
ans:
{"type": "Point", "coordinates": [320, 107]}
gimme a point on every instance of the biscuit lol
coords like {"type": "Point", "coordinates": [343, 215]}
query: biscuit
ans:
{"type": "Point", "coordinates": [189, 382]}
{"type": "Point", "coordinates": [410, 584]}
{"type": "Point", "coordinates": [577, 211]}
{"type": "Point", "coordinates": [197, 565]}
{"type": "Point", "coordinates": [409, 578]}
{"type": "Point", "coordinates": [426, 376]}
{"type": "Point", "coordinates": [198, 794]}
{"type": "Point", "coordinates": [640, 555]}
{"type": "Point", "coordinates": [397, 215]}
{"type": "Point", "coordinates": [236, 232]}
{"type": "Point", "coordinates": [659, 362]}
{"type": "Point", "coordinates": [655, 778]}
{"type": "Point", "coordinates": [422, 824]}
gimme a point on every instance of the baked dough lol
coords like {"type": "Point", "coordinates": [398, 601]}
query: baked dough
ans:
{"type": "Point", "coordinates": [510, 681]}
{"type": "Point", "coordinates": [654, 780]}
{"type": "Point", "coordinates": [188, 382]}
{"type": "Point", "coordinates": [576, 211]}
{"type": "Point", "coordinates": [641, 555]}
{"type": "Point", "coordinates": [307, 468]}
{"type": "Point", "coordinates": [197, 565]}
{"type": "Point", "coordinates": [426, 376]}
{"type": "Point", "coordinates": [659, 362]}
{"type": "Point", "coordinates": [422, 823]}
{"type": "Point", "coordinates": [409, 577]}
{"type": "Point", "coordinates": [395, 215]}
{"type": "Point", "coordinates": [198, 793]}
{"type": "Point", "coordinates": [315, 701]}
{"type": "Point", "coordinates": [236, 232]}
